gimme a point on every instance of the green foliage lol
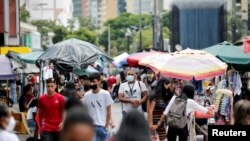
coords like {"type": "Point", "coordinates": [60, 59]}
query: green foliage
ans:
{"type": "Point", "coordinates": [61, 33]}
{"type": "Point", "coordinates": [24, 14]}
{"type": "Point", "coordinates": [83, 34]}
{"type": "Point", "coordinates": [118, 27]}
{"type": "Point", "coordinates": [87, 23]}
{"type": "Point", "coordinates": [166, 20]}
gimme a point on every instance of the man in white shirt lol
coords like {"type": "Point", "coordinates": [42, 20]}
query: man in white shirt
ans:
{"type": "Point", "coordinates": [98, 102]}
{"type": "Point", "coordinates": [132, 93]}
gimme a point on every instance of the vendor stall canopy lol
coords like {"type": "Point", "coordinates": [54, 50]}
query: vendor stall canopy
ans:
{"type": "Point", "coordinates": [231, 55]}
{"type": "Point", "coordinates": [6, 72]}
{"type": "Point", "coordinates": [72, 53]}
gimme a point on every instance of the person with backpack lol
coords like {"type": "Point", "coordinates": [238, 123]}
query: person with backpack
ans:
{"type": "Point", "coordinates": [177, 112]}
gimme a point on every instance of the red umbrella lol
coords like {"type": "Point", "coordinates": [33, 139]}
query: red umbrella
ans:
{"type": "Point", "coordinates": [133, 59]}
{"type": "Point", "coordinates": [246, 45]}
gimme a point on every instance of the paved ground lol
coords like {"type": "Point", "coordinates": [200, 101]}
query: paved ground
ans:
{"type": "Point", "coordinates": [116, 114]}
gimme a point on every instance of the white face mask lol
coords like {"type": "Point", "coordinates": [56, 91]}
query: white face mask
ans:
{"type": "Point", "coordinates": [130, 78]}
{"type": "Point", "coordinates": [11, 125]}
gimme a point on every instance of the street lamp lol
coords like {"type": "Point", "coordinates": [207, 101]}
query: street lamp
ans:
{"type": "Point", "coordinates": [128, 34]}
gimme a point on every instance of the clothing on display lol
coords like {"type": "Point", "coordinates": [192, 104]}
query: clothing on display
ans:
{"type": "Point", "coordinates": [223, 107]}
{"type": "Point", "coordinates": [235, 82]}
{"type": "Point", "coordinates": [47, 72]}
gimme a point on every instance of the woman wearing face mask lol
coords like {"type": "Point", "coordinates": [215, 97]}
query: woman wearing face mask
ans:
{"type": "Point", "coordinates": [7, 125]}
{"type": "Point", "coordinates": [157, 103]}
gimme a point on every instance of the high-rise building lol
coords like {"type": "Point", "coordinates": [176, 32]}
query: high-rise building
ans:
{"type": "Point", "coordinates": [121, 6]}
{"type": "Point", "coordinates": [85, 8]}
{"type": "Point", "coordinates": [77, 8]}
{"type": "Point", "coordinates": [133, 6]}
{"type": "Point", "coordinates": [111, 9]}
{"type": "Point", "coordinates": [100, 11]}
{"type": "Point", "coordinates": [146, 6]}
{"type": "Point", "coordinates": [242, 13]}
{"type": "Point", "coordinates": [130, 6]}
{"type": "Point", "coordinates": [59, 11]}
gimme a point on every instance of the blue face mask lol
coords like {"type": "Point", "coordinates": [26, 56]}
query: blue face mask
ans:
{"type": "Point", "coordinates": [130, 78]}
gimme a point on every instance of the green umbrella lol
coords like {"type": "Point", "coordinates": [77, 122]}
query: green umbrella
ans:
{"type": "Point", "coordinates": [231, 55]}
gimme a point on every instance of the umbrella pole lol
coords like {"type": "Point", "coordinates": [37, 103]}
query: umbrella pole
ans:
{"type": "Point", "coordinates": [41, 79]}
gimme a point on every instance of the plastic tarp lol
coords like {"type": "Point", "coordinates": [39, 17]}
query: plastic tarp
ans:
{"type": "Point", "coordinates": [69, 54]}
{"type": "Point", "coordinates": [30, 57]}
{"type": "Point", "coordinates": [24, 63]}
{"type": "Point", "coordinates": [6, 72]}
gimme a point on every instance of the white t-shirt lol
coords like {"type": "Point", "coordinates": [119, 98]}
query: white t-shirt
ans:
{"type": "Point", "coordinates": [30, 112]}
{"type": "Point", "coordinates": [97, 105]}
{"type": "Point", "coordinates": [191, 106]}
{"type": "Point", "coordinates": [126, 89]}
{"type": "Point", "coordinates": [7, 136]}
{"type": "Point", "coordinates": [47, 73]}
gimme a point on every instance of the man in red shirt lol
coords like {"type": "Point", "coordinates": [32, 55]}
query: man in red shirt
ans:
{"type": "Point", "coordinates": [50, 111]}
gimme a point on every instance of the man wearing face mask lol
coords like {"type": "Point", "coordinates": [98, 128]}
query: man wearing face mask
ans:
{"type": "Point", "coordinates": [98, 102]}
{"type": "Point", "coordinates": [7, 125]}
{"type": "Point", "coordinates": [132, 93]}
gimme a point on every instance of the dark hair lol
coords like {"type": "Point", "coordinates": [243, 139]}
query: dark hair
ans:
{"type": "Point", "coordinates": [4, 111]}
{"type": "Point", "coordinates": [73, 102]}
{"type": "Point", "coordinates": [134, 127]}
{"type": "Point", "coordinates": [50, 80]}
{"type": "Point", "coordinates": [122, 76]}
{"type": "Point", "coordinates": [241, 112]}
{"type": "Point", "coordinates": [77, 115]}
{"type": "Point", "coordinates": [26, 88]}
{"type": "Point", "coordinates": [188, 90]}
{"type": "Point", "coordinates": [33, 103]}
{"type": "Point", "coordinates": [69, 90]}
{"type": "Point", "coordinates": [83, 77]}
{"type": "Point", "coordinates": [94, 76]}
{"type": "Point", "coordinates": [160, 91]}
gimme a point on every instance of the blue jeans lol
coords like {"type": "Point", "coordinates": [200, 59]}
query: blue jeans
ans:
{"type": "Point", "coordinates": [13, 92]}
{"type": "Point", "coordinates": [101, 133]}
{"type": "Point", "coordinates": [31, 124]}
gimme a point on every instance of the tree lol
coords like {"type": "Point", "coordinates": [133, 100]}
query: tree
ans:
{"type": "Point", "coordinates": [118, 27]}
{"type": "Point", "coordinates": [24, 14]}
{"type": "Point", "coordinates": [87, 23]}
{"type": "Point", "coordinates": [71, 24]}
{"type": "Point", "coordinates": [83, 34]}
{"type": "Point", "coordinates": [166, 20]}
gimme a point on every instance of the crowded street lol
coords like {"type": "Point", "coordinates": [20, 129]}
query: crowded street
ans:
{"type": "Point", "coordinates": [124, 70]}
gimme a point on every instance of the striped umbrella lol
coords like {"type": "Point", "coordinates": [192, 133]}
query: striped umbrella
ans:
{"type": "Point", "coordinates": [186, 64]}
{"type": "Point", "coordinates": [133, 59]}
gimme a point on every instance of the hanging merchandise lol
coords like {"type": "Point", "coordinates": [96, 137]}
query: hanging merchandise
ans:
{"type": "Point", "coordinates": [237, 84]}
{"type": "Point", "coordinates": [47, 72]}
{"type": "Point", "coordinates": [223, 105]}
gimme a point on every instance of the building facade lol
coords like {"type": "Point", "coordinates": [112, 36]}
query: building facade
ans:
{"type": "Point", "coordinates": [122, 6]}
{"type": "Point", "coordinates": [77, 8]}
{"type": "Point", "coordinates": [9, 23]}
{"type": "Point", "coordinates": [59, 11]}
